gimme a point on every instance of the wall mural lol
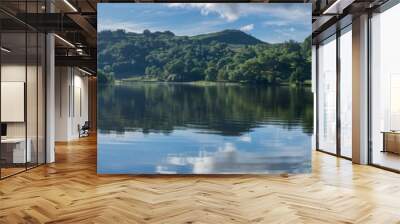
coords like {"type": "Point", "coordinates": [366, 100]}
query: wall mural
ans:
{"type": "Point", "coordinates": [195, 88]}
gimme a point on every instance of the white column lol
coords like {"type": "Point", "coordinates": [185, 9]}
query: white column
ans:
{"type": "Point", "coordinates": [360, 90]}
{"type": "Point", "coordinates": [50, 99]}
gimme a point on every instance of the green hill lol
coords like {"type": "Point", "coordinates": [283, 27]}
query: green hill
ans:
{"type": "Point", "coordinates": [235, 37]}
{"type": "Point", "coordinates": [229, 55]}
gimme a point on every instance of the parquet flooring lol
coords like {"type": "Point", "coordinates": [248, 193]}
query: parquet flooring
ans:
{"type": "Point", "coordinates": [10, 171]}
{"type": "Point", "coordinates": [70, 191]}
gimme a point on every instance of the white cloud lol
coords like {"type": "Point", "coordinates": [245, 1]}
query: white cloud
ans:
{"type": "Point", "coordinates": [276, 23]}
{"type": "Point", "coordinates": [289, 33]}
{"type": "Point", "coordinates": [278, 18]}
{"type": "Point", "coordinates": [125, 25]}
{"type": "Point", "coordinates": [247, 28]}
{"type": "Point", "coordinates": [201, 27]}
{"type": "Point", "coordinates": [233, 11]}
{"type": "Point", "coordinates": [164, 170]}
{"type": "Point", "coordinates": [245, 138]}
{"type": "Point", "coordinates": [229, 12]}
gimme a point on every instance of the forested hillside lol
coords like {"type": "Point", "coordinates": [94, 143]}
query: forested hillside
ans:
{"type": "Point", "coordinates": [229, 55]}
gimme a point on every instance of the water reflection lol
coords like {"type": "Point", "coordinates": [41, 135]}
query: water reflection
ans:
{"type": "Point", "coordinates": [178, 128]}
{"type": "Point", "coordinates": [228, 159]}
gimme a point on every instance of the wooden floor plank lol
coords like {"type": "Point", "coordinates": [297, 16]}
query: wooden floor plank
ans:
{"type": "Point", "coordinates": [70, 191]}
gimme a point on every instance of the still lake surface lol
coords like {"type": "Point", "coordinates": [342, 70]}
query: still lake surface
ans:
{"type": "Point", "coordinates": [171, 128]}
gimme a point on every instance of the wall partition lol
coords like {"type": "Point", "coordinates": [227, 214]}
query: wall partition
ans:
{"type": "Point", "coordinates": [22, 98]}
{"type": "Point", "coordinates": [385, 89]}
{"type": "Point", "coordinates": [13, 109]}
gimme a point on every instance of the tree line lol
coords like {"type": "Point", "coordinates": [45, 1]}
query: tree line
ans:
{"type": "Point", "coordinates": [226, 56]}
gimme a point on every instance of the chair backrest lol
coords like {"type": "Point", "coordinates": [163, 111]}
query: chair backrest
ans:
{"type": "Point", "coordinates": [86, 124]}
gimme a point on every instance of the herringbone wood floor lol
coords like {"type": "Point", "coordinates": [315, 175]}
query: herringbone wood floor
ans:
{"type": "Point", "coordinates": [70, 191]}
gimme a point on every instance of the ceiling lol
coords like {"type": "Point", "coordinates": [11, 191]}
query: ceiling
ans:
{"type": "Point", "coordinates": [75, 21]}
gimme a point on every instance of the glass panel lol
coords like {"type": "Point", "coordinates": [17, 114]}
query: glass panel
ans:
{"type": "Point", "coordinates": [31, 98]}
{"type": "Point", "coordinates": [31, 87]}
{"type": "Point", "coordinates": [41, 99]}
{"type": "Point", "coordinates": [346, 92]}
{"type": "Point", "coordinates": [23, 90]}
{"type": "Point", "coordinates": [385, 84]}
{"type": "Point", "coordinates": [327, 95]}
{"type": "Point", "coordinates": [13, 87]}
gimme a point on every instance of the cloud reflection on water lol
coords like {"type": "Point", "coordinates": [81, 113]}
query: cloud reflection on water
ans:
{"type": "Point", "coordinates": [229, 159]}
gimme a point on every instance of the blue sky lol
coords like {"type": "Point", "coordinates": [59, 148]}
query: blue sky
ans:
{"type": "Point", "coordinates": [269, 22]}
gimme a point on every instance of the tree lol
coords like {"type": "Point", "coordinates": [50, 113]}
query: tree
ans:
{"type": "Point", "coordinates": [211, 73]}
{"type": "Point", "coordinates": [165, 56]}
{"type": "Point", "coordinates": [103, 78]}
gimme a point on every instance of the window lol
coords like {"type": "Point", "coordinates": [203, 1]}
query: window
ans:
{"type": "Point", "coordinates": [327, 95]}
{"type": "Point", "coordinates": [346, 92]}
{"type": "Point", "coordinates": [385, 89]}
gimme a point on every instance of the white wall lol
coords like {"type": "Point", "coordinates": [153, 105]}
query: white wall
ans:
{"type": "Point", "coordinates": [12, 73]}
{"type": "Point", "coordinates": [13, 101]}
{"type": "Point", "coordinates": [62, 81]}
{"type": "Point", "coordinates": [33, 125]}
{"type": "Point", "coordinates": [71, 87]}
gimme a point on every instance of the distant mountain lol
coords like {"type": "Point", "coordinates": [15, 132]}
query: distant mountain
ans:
{"type": "Point", "coordinates": [228, 55]}
{"type": "Point", "coordinates": [236, 37]}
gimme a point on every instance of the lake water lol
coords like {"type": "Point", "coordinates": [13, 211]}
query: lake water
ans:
{"type": "Point", "coordinates": [148, 128]}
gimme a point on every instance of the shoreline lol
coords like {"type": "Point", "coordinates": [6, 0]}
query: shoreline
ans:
{"type": "Point", "coordinates": [215, 83]}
